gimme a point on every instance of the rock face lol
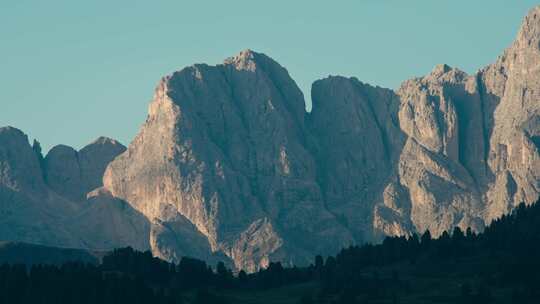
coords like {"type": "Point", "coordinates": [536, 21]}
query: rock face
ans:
{"type": "Point", "coordinates": [19, 166]}
{"type": "Point", "coordinates": [229, 165]}
{"type": "Point", "coordinates": [439, 114]}
{"type": "Point", "coordinates": [73, 174]}
{"type": "Point", "coordinates": [50, 210]}
{"type": "Point", "coordinates": [358, 143]}
{"type": "Point", "coordinates": [24, 217]}
{"type": "Point", "coordinates": [226, 147]}
{"type": "Point", "coordinates": [511, 88]}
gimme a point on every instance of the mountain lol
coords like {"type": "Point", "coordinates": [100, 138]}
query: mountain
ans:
{"type": "Point", "coordinates": [73, 174]}
{"type": "Point", "coordinates": [229, 165]}
{"type": "Point", "coordinates": [41, 198]}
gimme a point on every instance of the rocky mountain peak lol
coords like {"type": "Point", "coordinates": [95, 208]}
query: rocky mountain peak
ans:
{"type": "Point", "coordinates": [12, 132]}
{"type": "Point", "coordinates": [73, 174]}
{"type": "Point", "coordinates": [60, 149]}
{"type": "Point", "coordinates": [529, 33]}
{"type": "Point", "coordinates": [225, 148]}
{"type": "Point", "coordinates": [445, 73]}
{"type": "Point", "coordinates": [246, 60]}
{"type": "Point", "coordinates": [441, 69]}
{"type": "Point", "coordinates": [20, 169]}
{"type": "Point", "coordinates": [103, 140]}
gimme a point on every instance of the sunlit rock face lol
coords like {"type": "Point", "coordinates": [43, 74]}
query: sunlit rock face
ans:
{"type": "Point", "coordinates": [229, 165]}
{"type": "Point", "coordinates": [227, 148]}
{"type": "Point", "coordinates": [442, 162]}
{"type": "Point", "coordinates": [471, 153]}
{"type": "Point", "coordinates": [511, 88]}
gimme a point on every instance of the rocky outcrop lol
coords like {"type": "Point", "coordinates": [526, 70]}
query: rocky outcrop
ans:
{"type": "Point", "coordinates": [25, 207]}
{"type": "Point", "coordinates": [19, 165]}
{"type": "Point", "coordinates": [441, 161]}
{"type": "Point", "coordinates": [39, 210]}
{"type": "Point", "coordinates": [73, 174]}
{"type": "Point", "coordinates": [63, 173]}
{"type": "Point", "coordinates": [229, 165]}
{"type": "Point", "coordinates": [225, 147]}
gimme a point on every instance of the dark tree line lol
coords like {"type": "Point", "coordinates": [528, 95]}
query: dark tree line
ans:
{"type": "Point", "coordinates": [508, 252]}
{"type": "Point", "coordinates": [505, 255]}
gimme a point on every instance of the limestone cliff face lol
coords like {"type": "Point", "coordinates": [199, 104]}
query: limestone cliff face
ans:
{"type": "Point", "coordinates": [443, 152]}
{"type": "Point", "coordinates": [470, 154]}
{"type": "Point", "coordinates": [511, 88]}
{"type": "Point", "coordinates": [229, 165]}
{"type": "Point", "coordinates": [358, 142]}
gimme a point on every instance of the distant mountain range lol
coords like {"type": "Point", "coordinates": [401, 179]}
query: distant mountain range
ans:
{"type": "Point", "coordinates": [230, 166]}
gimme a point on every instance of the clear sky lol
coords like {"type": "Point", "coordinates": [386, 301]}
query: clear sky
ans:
{"type": "Point", "coordinates": [71, 71]}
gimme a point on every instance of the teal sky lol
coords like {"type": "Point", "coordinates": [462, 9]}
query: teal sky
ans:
{"type": "Point", "coordinates": [71, 71]}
